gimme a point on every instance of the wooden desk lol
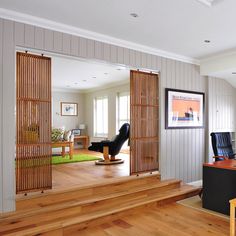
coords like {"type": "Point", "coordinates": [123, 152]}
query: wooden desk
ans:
{"type": "Point", "coordinates": [63, 145]}
{"type": "Point", "coordinates": [226, 164]}
{"type": "Point", "coordinates": [232, 216]}
{"type": "Point", "coordinates": [82, 138]}
{"type": "Point", "coordinates": [219, 185]}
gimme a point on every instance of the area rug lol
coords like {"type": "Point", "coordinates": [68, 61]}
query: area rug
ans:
{"type": "Point", "coordinates": [56, 160]}
{"type": "Point", "coordinates": [196, 203]}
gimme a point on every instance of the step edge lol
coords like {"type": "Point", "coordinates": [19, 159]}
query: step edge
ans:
{"type": "Point", "coordinates": [95, 184]}
{"type": "Point", "coordinates": [63, 223]}
{"type": "Point", "coordinates": [134, 206]}
{"type": "Point", "coordinates": [74, 203]}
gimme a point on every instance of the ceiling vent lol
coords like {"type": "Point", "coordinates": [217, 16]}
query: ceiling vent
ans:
{"type": "Point", "coordinates": [209, 3]}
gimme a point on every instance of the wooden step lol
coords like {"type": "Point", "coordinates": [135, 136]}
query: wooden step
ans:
{"type": "Point", "coordinates": [84, 192]}
{"type": "Point", "coordinates": [132, 192]}
{"type": "Point", "coordinates": [78, 214]}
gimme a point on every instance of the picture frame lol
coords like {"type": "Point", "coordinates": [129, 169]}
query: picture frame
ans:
{"type": "Point", "coordinates": [184, 109]}
{"type": "Point", "coordinates": [69, 109]}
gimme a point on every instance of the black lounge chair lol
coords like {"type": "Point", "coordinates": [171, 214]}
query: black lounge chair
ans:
{"type": "Point", "coordinates": [110, 148]}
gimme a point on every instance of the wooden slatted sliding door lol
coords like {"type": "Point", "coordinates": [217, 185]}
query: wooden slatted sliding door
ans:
{"type": "Point", "coordinates": [33, 122]}
{"type": "Point", "coordinates": [144, 122]}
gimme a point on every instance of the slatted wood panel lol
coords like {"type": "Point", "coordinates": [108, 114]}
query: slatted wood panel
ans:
{"type": "Point", "coordinates": [33, 120]}
{"type": "Point", "coordinates": [144, 121]}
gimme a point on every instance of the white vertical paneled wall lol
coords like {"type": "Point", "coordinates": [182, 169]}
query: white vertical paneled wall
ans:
{"type": "Point", "coordinates": [1, 111]}
{"type": "Point", "coordinates": [8, 115]}
{"type": "Point", "coordinates": [181, 151]}
{"type": "Point", "coordinates": [222, 108]}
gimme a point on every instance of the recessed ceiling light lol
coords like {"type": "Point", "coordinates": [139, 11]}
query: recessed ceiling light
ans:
{"type": "Point", "coordinates": [209, 3]}
{"type": "Point", "coordinates": [105, 73]}
{"type": "Point", "coordinates": [121, 68]}
{"type": "Point", "coordinates": [84, 80]}
{"type": "Point", "coordinates": [67, 86]}
{"type": "Point", "coordinates": [94, 77]}
{"type": "Point", "coordinates": [75, 83]}
{"type": "Point", "coordinates": [135, 15]}
{"type": "Point", "coordinates": [207, 41]}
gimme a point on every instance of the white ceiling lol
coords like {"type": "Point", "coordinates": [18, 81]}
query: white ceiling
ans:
{"type": "Point", "coordinates": [76, 75]}
{"type": "Point", "coordinates": [176, 26]}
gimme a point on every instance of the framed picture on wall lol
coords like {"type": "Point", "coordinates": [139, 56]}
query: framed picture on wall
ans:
{"type": "Point", "coordinates": [183, 109]}
{"type": "Point", "coordinates": [69, 109]}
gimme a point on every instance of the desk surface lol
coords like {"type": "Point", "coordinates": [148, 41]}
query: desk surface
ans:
{"type": "Point", "coordinates": [81, 136]}
{"type": "Point", "coordinates": [227, 164]}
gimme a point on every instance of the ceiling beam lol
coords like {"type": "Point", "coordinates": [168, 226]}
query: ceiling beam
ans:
{"type": "Point", "coordinates": [52, 25]}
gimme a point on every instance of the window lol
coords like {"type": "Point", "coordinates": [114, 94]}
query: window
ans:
{"type": "Point", "coordinates": [123, 111]}
{"type": "Point", "coordinates": [101, 117]}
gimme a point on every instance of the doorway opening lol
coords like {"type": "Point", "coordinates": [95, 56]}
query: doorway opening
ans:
{"type": "Point", "coordinates": [90, 101]}
{"type": "Point", "coordinates": [85, 97]}
{"type": "Point", "coordinates": [95, 89]}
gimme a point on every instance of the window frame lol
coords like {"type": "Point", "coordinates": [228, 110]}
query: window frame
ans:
{"type": "Point", "coordinates": [118, 120]}
{"type": "Point", "coordinates": [95, 133]}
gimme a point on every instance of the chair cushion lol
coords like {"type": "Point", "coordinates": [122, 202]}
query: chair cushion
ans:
{"type": "Point", "coordinates": [57, 134]}
{"type": "Point", "coordinates": [67, 135]}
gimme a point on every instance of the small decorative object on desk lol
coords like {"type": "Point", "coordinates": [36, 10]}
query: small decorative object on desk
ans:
{"type": "Point", "coordinates": [76, 131]}
{"type": "Point", "coordinates": [82, 127]}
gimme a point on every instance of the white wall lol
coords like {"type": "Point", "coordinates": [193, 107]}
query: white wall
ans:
{"type": "Point", "coordinates": [69, 122]}
{"type": "Point", "coordinates": [111, 93]}
{"type": "Point", "coordinates": [222, 108]}
{"type": "Point", "coordinates": [182, 151]}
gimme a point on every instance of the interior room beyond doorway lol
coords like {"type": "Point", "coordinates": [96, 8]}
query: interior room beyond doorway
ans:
{"type": "Point", "coordinates": [90, 102]}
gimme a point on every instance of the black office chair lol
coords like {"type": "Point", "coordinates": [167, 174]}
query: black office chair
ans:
{"type": "Point", "coordinates": [110, 148]}
{"type": "Point", "coordinates": [222, 146]}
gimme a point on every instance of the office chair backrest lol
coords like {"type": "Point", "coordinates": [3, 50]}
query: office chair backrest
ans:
{"type": "Point", "coordinates": [222, 145]}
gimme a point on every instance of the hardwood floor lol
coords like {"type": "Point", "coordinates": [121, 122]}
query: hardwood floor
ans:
{"type": "Point", "coordinates": [167, 220]}
{"type": "Point", "coordinates": [141, 206]}
{"type": "Point", "coordinates": [69, 175]}
{"type": "Point", "coordinates": [69, 213]}
{"type": "Point", "coordinates": [155, 220]}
